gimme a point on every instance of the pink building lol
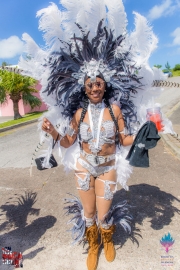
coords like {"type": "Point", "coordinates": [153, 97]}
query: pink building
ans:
{"type": "Point", "coordinates": [6, 109]}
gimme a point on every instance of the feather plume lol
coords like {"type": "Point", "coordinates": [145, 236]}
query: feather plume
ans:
{"type": "Point", "coordinates": [51, 23]}
{"type": "Point", "coordinates": [33, 65]}
{"type": "Point", "coordinates": [123, 168]}
{"type": "Point", "coordinates": [83, 12]}
{"type": "Point", "coordinates": [76, 12]}
{"type": "Point", "coordinates": [142, 39]}
{"type": "Point", "coordinates": [118, 214]}
{"type": "Point", "coordinates": [96, 14]}
{"type": "Point", "coordinates": [79, 224]}
{"type": "Point", "coordinates": [116, 16]}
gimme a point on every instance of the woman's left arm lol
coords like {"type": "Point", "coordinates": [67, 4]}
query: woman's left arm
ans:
{"type": "Point", "coordinates": [123, 138]}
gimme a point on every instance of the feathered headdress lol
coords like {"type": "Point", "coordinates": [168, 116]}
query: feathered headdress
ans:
{"type": "Point", "coordinates": [90, 58]}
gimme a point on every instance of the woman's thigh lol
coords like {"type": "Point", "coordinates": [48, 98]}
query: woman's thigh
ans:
{"type": "Point", "coordinates": [104, 182]}
{"type": "Point", "coordinates": [85, 183]}
{"type": "Point", "coordinates": [105, 186]}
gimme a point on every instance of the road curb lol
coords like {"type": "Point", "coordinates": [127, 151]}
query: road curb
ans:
{"type": "Point", "coordinates": [18, 125]}
{"type": "Point", "coordinates": [170, 140]}
{"type": "Point", "coordinates": [172, 143]}
{"type": "Point", "coordinates": [171, 111]}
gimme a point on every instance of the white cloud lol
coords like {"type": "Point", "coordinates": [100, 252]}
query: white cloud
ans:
{"type": "Point", "coordinates": [176, 35]}
{"type": "Point", "coordinates": [11, 47]}
{"type": "Point", "coordinates": [167, 8]}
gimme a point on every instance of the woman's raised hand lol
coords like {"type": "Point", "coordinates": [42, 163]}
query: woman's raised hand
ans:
{"type": "Point", "coordinates": [47, 126]}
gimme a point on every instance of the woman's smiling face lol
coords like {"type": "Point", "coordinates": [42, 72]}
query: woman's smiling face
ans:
{"type": "Point", "coordinates": [95, 90]}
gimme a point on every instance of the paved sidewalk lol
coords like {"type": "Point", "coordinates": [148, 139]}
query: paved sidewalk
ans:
{"type": "Point", "coordinates": [4, 119]}
{"type": "Point", "coordinates": [173, 141]}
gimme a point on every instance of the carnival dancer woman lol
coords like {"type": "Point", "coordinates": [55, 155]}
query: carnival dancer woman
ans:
{"type": "Point", "coordinates": [97, 84]}
{"type": "Point", "coordinates": [99, 126]}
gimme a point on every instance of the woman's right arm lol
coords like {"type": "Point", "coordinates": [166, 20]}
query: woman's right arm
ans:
{"type": "Point", "coordinates": [67, 140]}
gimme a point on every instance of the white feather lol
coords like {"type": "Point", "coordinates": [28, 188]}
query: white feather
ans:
{"type": "Point", "coordinates": [116, 16]}
{"type": "Point", "coordinates": [123, 168]}
{"type": "Point", "coordinates": [142, 39]}
{"type": "Point", "coordinates": [87, 13]}
{"type": "Point", "coordinates": [96, 14]}
{"type": "Point", "coordinates": [33, 65]}
{"type": "Point", "coordinates": [51, 23]}
{"type": "Point", "coordinates": [77, 12]}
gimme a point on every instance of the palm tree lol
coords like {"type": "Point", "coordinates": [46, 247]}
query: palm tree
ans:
{"type": "Point", "coordinates": [167, 66]}
{"type": "Point", "coordinates": [17, 87]}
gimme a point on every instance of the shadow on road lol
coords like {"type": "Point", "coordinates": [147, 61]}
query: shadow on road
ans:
{"type": "Point", "coordinates": [18, 212]}
{"type": "Point", "coordinates": [145, 201]}
{"type": "Point", "coordinates": [24, 236]}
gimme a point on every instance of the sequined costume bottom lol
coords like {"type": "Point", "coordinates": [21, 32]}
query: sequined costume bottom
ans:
{"type": "Point", "coordinates": [83, 178]}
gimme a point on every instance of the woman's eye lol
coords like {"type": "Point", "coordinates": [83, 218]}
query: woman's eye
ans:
{"type": "Point", "coordinates": [89, 85]}
{"type": "Point", "coordinates": [98, 84]}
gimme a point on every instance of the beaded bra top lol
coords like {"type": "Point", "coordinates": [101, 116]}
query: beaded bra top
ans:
{"type": "Point", "coordinates": [107, 130]}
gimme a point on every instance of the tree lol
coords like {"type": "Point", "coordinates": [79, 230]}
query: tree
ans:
{"type": "Point", "coordinates": [158, 66]}
{"type": "Point", "coordinates": [167, 66]}
{"type": "Point", "coordinates": [17, 86]}
{"type": "Point", "coordinates": [4, 64]}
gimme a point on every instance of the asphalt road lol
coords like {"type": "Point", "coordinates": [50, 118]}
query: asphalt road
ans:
{"type": "Point", "coordinates": [32, 220]}
{"type": "Point", "coordinates": [17, 146]}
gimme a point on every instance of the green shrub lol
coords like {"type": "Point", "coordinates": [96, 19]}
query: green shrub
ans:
{"type": "Point", "coordinates": [176, 73]}
{"type": "Point", "coordinates": [177, 67]}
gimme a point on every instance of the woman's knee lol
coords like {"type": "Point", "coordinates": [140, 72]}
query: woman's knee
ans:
{"type": "Point", "coordinates": [89, 208]}
{"type": "Point", "coordinates": [88, 213]}
{"type": "Point", "coordinates": [88, 200]}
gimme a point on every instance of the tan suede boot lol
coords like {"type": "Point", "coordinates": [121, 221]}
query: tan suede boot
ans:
{"type": "Point", "coordinates": [92, 237]}
{"type": "Point", "coordinates": [109, 250]}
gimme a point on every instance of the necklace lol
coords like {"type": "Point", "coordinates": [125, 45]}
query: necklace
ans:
{"type": "Point", "coordinates": [95, 112]}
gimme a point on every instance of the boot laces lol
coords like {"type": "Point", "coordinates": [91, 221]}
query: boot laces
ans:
{"type": "Point", "coordinates": [93, 241]}
{"type": "Point", "coordinates": [106, 235]}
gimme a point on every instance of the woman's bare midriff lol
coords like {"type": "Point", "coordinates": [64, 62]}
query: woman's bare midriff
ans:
{"type": "Point", "coordinates": [107, 149]}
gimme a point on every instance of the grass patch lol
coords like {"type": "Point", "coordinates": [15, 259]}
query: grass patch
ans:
{"type": "Point", "coordinates": [25, 118]}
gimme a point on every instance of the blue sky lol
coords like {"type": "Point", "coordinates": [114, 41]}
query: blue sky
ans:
{"type": "Point", "coordinates": [19, 16]}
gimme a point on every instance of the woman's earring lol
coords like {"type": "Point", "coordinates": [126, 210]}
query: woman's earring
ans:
{"type": "Point", "coordinates": [85, 93]}
{"type": "Point", "coordinates": [105, 90]}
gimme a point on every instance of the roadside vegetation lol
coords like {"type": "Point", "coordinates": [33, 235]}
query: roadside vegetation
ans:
{"type": "Point", "coordinates": [175, 71]}
{"type": "Point", "coordinates": [16, 87]}
{"type": "Point", "coordinates": [25, 118]}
